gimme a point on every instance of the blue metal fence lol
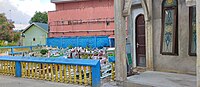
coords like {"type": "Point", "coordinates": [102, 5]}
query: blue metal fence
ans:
{"type": "Point", "coordinates": [91, 41]}
{"type": "Point", "coordinates": [12, 52]}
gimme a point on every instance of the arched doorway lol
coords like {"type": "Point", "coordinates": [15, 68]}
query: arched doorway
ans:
{"type": "Point", "coordinates": [140, 41]}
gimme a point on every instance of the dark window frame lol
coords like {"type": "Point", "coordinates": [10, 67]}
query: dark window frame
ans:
{"type": "Point", "coordinates": [190, 31]}
{"type": "Point", "coordinates": [34, 39]}
{"type": "Point", "coordinates": [175, 29]}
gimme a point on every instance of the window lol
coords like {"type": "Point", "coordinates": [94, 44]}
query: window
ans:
{"type": "Point", "coordinates": [33, 39]}
{"type": "Point", "coordinates": [107, 23]}
{"type": "Point", "coordinates": [169, 33]}
{"type": "Point", "coordinates": [192, 34]}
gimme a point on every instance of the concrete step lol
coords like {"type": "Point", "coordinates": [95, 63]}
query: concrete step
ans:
{"type": "Point", "coordinates": [139, 69]}
{"type": "Point", "coordinates": [131, 84]}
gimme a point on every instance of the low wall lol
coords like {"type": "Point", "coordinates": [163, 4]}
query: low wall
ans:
{"type": "Point", "coordinates": [92, 41]}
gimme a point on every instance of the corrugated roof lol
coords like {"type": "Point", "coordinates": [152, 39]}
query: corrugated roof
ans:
{"type": "Point", "coordinates": [43, 26]}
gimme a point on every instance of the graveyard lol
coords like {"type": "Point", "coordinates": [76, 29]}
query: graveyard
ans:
{"type": "Point", "coordinates": [103, 54]}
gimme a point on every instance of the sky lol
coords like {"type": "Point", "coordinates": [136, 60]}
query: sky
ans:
{"type": "Point", "coordinates": [21, 11]}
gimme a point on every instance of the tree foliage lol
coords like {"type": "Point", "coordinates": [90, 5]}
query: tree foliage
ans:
{"type": "Point", "coordinates": [40, 17]}
{"type": "Point", "coordinates": [16, 36]}
{"type": "Point", "coordinates": [6, 29]}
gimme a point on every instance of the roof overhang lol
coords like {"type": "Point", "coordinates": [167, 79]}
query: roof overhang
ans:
{"type": "Point", "coordinates": [61, 1]}
{"type": "Point", "coordinates": [32, 25]}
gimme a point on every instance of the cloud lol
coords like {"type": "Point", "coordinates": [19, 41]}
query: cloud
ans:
{"type": "Point", "coordinates": [30, 6]}
{"type": "Point", "coordinates": [13, 13]}
{"type": "Point", "coordinates": [21, 11]}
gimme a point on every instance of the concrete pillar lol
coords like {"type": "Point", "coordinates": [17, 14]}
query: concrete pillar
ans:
{"type": "Point", "coordinates": [147, 6]}
{"type": "Point", "coordinates": [18, 70]}
{"type": "Point", "coordinates": [198, 41]}
{"type": "Point", "coordinates": [96, 81]}
{"type": "Point", "coordinates": [120, 43]}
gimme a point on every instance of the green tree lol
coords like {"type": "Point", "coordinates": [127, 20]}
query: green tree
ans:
{"type": "Point", "coordinates": [16, 36]}
{"type": "Point", "coordinates": [6, 29]}
{"type": "Point", "coordinates": [40, 17]}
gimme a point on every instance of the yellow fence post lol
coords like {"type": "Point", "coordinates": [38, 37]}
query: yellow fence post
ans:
{"type": "Point", "coordinates": [56, 67]}
{"type": "Point", "coordinates": [80, 75]}
{"type": "Point", "coordinates": [47, 67]}
{"type": "Point", "coordinates": [90, 75]}
{"type": "Point", "coordinates": [25, 68]}
{"type": "Point", "coordinates": [69, 73]}
{"type": "Point", "coordinates": [32, 70]}
{"type": "Point", "coordinates": [5, 68]}
{"type": "Point", "coordinates": [65, 73]}
{"type": "Point", "coordinates": [22, 67]}
{"type": "Point", "coordinates": [113, 71]}
{"type": "Point", "coordinates": [74, 67]}
{"type": "Point", "coordinates": [0, 67]}
{"type": "Point", "coordinates": [8, 70]}
{"type": "Point", "coordinates": [29, 66]}
{"type": "Point", "coordinates": [3, 62]}
{"type": "Point", "coordinates": [60, 71]}
{"type": "Point", "coordinates": [52, 74]}
{"type": "Point", "coordinates": [43, 71]}
{"type": "Point", "coordinates": [12, 68]}
{"type": "Point", "coordinates": [40, 71]}
{"type": "Point", "coordinates": [36, 71]}
{"type": "Point", "coordinates": [85, 76]}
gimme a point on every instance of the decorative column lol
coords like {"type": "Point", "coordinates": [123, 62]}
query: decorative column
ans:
{"type": "Point", "coordinates": [198, 41]}
{"type": "Point", "coordinates": [120, 43]}
{"type": "Point", "coordinates": [147, 6]}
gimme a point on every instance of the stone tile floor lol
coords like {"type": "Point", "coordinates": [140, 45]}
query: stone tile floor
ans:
{"type": "Point", "coordinates": [145, 79]}
{"type": "Point", "coordinates": [163, 79]}
{"type": "Point", "coordinates": [8, 81]}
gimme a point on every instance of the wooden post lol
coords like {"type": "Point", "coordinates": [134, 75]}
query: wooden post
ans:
{"type": "Point", "coordinates": [198, 41]}
{"type": "Point", "coordinates": [120, 42]}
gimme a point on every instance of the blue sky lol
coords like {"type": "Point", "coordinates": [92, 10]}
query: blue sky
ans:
{"type": "Point", "coordinates": [20, 11]}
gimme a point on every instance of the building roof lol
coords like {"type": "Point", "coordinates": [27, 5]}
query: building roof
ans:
{"type": "Point", "coordinates": [42, 26]}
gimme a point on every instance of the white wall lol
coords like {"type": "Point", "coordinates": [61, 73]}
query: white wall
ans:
{"type": "Point", "coordinates": [135, 13]}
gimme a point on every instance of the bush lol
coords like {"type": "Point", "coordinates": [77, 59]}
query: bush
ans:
{"type": "Point", "coordinates": [44, 51]}
{"type": "Point", "coordinates": [84, 56]}
{"type": "Point", "coordinates": [70, 46]}
{"type": "Point", "coordinates": [2, 43]}
{"type": "Point", "coordinates": [88, 47]}
{"type": "Point", "coordinates": [12, 44]}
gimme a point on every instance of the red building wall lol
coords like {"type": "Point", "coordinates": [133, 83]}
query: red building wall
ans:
{"type": "Point", "coordinates": [83, 18]}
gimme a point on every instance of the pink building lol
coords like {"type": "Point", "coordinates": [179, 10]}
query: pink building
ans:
{"type": "Point", "coordinates": [82, 18]}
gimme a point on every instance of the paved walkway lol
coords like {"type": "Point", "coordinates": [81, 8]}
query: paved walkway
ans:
{"type": "Point", "coordinates": [146, 79]}
{"type": "Point", "coordinates": [7, 81]}
{"type": "Point", "coordinates": [163, 79]}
